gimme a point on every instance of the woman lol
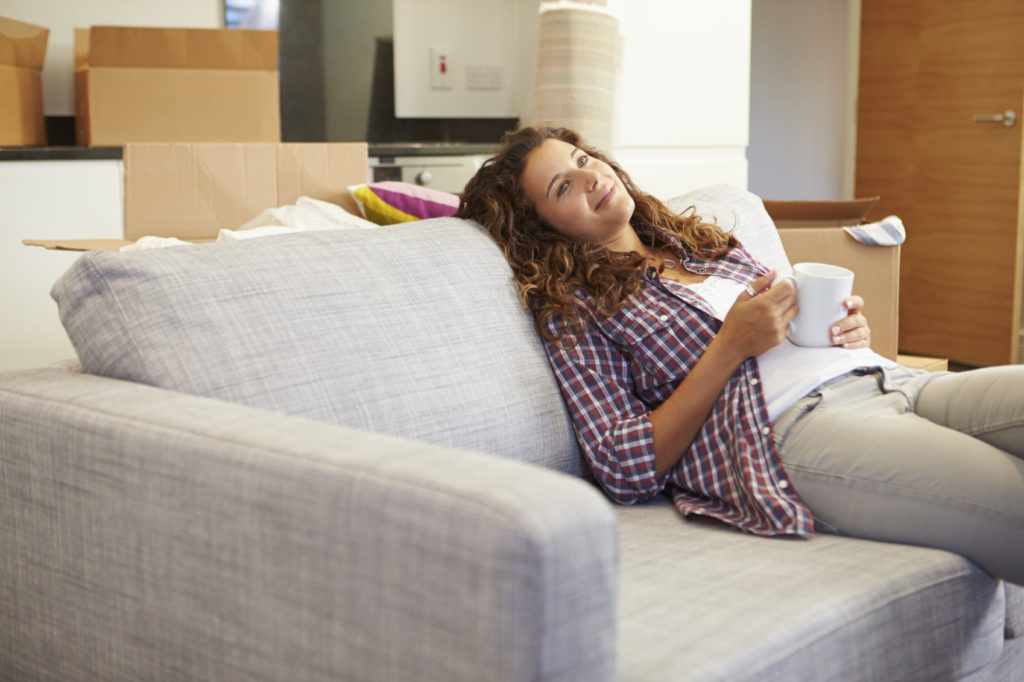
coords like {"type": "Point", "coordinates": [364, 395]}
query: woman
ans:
{"type": "Point", "coordinates": [668, 342]}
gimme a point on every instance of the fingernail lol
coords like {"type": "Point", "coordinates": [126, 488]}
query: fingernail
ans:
{"type": "Point", "coordinates": [835, 331]}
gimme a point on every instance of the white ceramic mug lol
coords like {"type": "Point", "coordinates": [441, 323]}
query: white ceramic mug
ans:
{"type": "Point", "coordinates": [822, 290]}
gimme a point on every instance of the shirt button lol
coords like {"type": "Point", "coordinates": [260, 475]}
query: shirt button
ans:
{"type": "Point", "coordinates": [766, 430]}
{"type": "Point", "coordinates": [784, 484]}
{"type": "Point", "coordinates": [663, 318]}
{"type": "Point", "coordinates": [754, 382]}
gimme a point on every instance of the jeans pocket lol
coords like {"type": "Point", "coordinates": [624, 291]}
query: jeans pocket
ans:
{"type": "Point", "coordinates": [786, 421]}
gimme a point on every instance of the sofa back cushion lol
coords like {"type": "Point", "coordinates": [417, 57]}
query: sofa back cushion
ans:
{"type": "Point", "coordinates": [411, 330]}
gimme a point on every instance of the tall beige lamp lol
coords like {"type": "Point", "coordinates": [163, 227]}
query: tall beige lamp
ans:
{"type": "Point", "coordinates": [577, 70]}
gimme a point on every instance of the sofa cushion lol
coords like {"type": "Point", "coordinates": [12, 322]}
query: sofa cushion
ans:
{"type": "Point", "coordinates": [844, 608]}
{"type": "Point", "coordinates": [741, 212]}
{"type": "Point", "coordinates": [413, 330]}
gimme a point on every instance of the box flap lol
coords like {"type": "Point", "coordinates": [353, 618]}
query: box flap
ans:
{"type": "Point", "coordinates": [313, 170]}
{"type": "Point", "coordinates": [823, 213]}
{"type": "Point", "coordinates": [81, 48]}
{"type": "Point", "coordinates": [193, 190]}
{"type": "Point", "coordinates": [22, 45]}
{"type": "Point", "coordinates": [77, 244]}
{"type": "Point", "coordinates": [190, 190]}
{"type": "Point", "coordinates": [177, 48]}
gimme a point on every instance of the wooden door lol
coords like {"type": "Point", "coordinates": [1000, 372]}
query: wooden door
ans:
{"type": "Point", "coordinates": [927, 68]}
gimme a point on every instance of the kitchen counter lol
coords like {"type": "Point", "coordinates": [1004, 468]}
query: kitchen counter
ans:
{"type": "Point", "coordinates": [390, 149]}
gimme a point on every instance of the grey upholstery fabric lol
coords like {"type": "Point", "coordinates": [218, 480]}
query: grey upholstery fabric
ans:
{"type": "Point", "coordinates": [826, 609]}
{"type": "Point", "coordinates": [414, 330]}
{"type": "Point", "coordinates": [148, 535]}
{"type": "Point", "coordinates": [1009, 667]}
{"type": "Point", "coordinates": [153, 534]}
{"type": "Point", "coordinates": [1015, 612]}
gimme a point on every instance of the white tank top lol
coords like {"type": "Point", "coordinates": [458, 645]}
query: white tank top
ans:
{"type": "Point", "coordinates": [788, 372]}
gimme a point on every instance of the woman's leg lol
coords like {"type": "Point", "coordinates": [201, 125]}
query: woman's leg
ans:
{"type": "Point", "coordinates": [868, 466]}
{"type": "Point", "coordinates": [984, 403]}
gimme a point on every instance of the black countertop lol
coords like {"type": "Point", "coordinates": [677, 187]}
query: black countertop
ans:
{"type": "Point", "coordinates": [58, 153]}
{"type": "Point", "coordinates": [389, 149]}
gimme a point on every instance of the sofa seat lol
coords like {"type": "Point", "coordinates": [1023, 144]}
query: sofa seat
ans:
{"type": "Point", "coordinates": [844, 608]}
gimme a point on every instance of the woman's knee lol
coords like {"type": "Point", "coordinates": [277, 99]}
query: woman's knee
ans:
{"type": "Point", "coordinates": [986, 403]}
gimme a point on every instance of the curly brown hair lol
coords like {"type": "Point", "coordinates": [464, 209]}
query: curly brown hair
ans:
{"type": "Point", "coordinates": [550, 267]}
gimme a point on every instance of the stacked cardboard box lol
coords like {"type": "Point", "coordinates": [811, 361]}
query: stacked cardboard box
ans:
{"type": "Point", "coordinates": [175, 84]}
{"type": "Point", "coordinates": [22, 51]}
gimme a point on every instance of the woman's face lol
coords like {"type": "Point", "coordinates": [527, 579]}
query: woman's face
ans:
{"type": "Point", "coordinates": [578, 195]}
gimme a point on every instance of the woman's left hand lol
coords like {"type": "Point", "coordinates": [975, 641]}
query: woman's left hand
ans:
{"type": "Point", "coordinates": [852, 331]}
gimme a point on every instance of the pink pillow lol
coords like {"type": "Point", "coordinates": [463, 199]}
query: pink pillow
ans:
{"type": "Point", "coordinates": [389, 202]}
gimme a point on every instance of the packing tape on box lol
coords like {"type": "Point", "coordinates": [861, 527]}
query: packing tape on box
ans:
{"type": "Point", "coordinates": [886, 232]}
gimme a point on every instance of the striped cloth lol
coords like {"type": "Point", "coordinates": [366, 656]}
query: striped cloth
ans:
{"type": "Point", "coordinates": [577, 70]}
{"type": "Point", "coordinates": [886, 232]}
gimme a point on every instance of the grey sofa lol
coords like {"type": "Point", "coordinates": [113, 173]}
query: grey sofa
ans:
{"type": "Point", "coordinates": [342, 456]}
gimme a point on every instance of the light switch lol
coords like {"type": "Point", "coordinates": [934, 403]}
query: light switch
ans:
{"type": "Point", "coordinates": [440, 67]}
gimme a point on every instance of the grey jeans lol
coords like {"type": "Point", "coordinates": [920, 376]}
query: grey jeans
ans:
{"type": "Point", "coordinates": [917, 458]}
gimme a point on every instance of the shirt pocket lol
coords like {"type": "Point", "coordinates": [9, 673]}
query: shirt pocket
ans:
{"type": "Point", "coordinates": [651, 336]}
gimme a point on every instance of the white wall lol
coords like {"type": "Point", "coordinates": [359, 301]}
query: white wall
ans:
{"type": "Point", "coordinates": [478, 33]}
{"type": "Point", "coordinates": [62, 17]}
{"type": "Point", "coordinates": [803, 98]}
{"type": "Point", "coordinates": [684, 93]}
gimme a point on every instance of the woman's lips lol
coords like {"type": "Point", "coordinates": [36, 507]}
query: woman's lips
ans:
{"type": "Point", "coordinates": [603, 200]}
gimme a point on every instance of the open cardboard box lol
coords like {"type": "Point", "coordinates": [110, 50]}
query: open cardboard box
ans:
{"type": "Point", "coordinates": [813, 231]}
{"type": "Point", "coordinates": [193, 190]}
{"type": "Point", "coordinates": [136, 84]}
{"type": "Point", "coordinates": [22, 52]}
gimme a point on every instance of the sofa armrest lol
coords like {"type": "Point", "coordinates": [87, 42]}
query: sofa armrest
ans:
{"type": "Point", "coordinates": [148, 534]}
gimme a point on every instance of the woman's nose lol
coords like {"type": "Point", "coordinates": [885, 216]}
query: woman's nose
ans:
{"type": "Point", "coordinates": [590, 178]}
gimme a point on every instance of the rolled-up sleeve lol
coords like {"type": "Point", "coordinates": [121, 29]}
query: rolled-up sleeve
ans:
{"type": "Point", "coordinates": [612, 424]}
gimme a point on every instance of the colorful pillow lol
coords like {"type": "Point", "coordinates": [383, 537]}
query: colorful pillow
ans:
{"type": "Point", "coordinates": [386, 203]}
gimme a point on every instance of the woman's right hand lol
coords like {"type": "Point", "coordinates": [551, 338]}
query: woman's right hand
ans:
{"type": "Point", "coordinates": [758, 322]}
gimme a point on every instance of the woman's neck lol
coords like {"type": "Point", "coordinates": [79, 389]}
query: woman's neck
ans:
{"type": "Point", "coordinates": [625, 240]}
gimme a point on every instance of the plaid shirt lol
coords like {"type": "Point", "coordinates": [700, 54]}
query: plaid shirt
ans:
{"type": "Point", "coordinates": [625, 366]}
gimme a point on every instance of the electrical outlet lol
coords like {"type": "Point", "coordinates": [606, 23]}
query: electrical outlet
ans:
{"type": "Point", "coordinates": [483, 77]}
{"type": "Point", "coordinates": [440, 67]}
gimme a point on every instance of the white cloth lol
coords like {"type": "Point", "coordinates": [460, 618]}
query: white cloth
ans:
{"type": "Point", "coordinates": [305, 214]}
{"type": "Point", "coordinates": [888, 231]}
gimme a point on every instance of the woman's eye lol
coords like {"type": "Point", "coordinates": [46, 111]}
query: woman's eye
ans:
{"type": "Point", "coordinates": [562, 188]}
{"type": "Point", "coordinates": [581, 161]}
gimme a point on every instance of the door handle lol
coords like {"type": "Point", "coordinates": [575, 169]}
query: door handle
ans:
{"type": "Point", "coordinates": [1007, 118]}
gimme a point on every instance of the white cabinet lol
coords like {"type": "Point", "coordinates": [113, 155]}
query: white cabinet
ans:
{"type": "Point", "coordinates": [47, 199]}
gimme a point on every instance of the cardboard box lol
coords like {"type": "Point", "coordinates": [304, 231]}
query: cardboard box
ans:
{"type": "Point", "coordinates": [812, 231]}
{"type": "Point", "coordinates": [175, 85]}
{"type": "Point", "coordinates": [923, 362]}
{"type": "Point", "coordinates": [22, 52]}
{"type": "Point", "coordinates": [192, 191]}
